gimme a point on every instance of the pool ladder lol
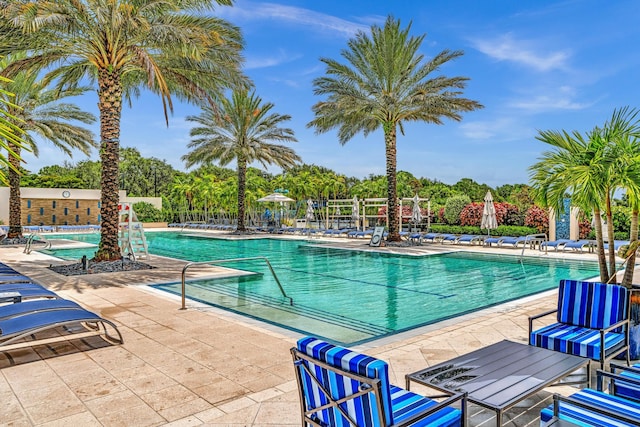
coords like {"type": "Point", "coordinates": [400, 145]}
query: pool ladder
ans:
{"type": "Point", "coordinates": [28, 246]}
{"type": "Point", "coordinates": [226, 260]}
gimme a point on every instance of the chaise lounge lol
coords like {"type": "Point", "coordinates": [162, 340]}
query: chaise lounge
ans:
{"type": "Point", "coordinates": [339, 388]}
{"type": "Point", "coordinates": [21, 321]}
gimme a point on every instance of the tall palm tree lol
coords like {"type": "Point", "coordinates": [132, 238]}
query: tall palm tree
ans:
{"type": "Point", "coordinates": [383, 84]}
{"type": "Point", "coordinates": [10, 133]}
{"type": "Point", "coordinates": [241, 128]}
{"type": "Point", "coordinates": [39, 111]}
{"type": "Point", "coordinates": [168, 46]}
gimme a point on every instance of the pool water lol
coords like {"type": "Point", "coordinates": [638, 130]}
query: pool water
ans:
{"type": "Point", "coordinates": [354, 296]}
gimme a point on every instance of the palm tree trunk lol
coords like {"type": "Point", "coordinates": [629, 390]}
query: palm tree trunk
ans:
{"type": "Point", "coordinates": [612, 249]}
{"type": "Point", "coordinates": [242, 186]}
{"type": "Point", "coordinates": [110, 107]}
{"type": "Point", "coordinates": [392, 185]}
{"type": "Point", "coordinates": [15, 209]}
{"type": "Point", "coordinates": [627, 280]}
{"type": "Point", "coordinates": [602, 259]}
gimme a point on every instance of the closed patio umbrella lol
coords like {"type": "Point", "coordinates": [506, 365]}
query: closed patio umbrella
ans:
{"type": "Point", "coordinates": [416, 214]}
{"type": "Point", "coordinates": [355, 212]}
{"type": "Point", "coordinates": [489, 220]}
{"type": "Point", "coordinates": [309, 215]}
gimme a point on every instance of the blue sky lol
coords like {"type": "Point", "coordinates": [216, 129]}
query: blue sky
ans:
{"type": "Point", "coordinates": [534, 65]}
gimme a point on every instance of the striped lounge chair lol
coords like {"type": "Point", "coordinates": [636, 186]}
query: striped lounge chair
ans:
{"type": "Point", "coordinates": [342, 388]}
{"type": "Point", "coordinates": [591, 322]}
{"type": "Point", "coordinates": [594, 408]}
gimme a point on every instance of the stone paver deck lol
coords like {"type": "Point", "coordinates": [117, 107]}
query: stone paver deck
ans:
{"type": "Point", "coordinates": [203, 366]}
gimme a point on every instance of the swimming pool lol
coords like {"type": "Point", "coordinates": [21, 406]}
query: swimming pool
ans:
{"type": "Point", "coordinates": [354, 296]}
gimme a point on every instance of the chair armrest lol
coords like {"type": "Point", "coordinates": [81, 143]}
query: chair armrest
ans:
{"type": "Point", "coordinates": [616, 325]}
{"type": "Point", "coordinates": [557, 399]}
{"type": "Point", "coordinates": [462, 397]}
{"type": "Point", "coordinates": [537, 316]}
{"type": "Point", "coordinates": [615, 366]}
{"type": "Point", "coordinates": [614, 377]}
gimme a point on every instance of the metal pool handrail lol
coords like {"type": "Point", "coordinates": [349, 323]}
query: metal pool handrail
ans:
{"type": "Point", "coordinates": [222, 261]}
{"type": "Point", "coordinates": [534, 238]}
{"type": "Point", "coordinates": [28, 245]}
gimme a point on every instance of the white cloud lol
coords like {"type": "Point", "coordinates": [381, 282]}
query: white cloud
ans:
{"type": "Point", "coordinates": [252, 11]}
{"type": "Point", "coordinates": [269, 61]}
{"type": "Point", "coordinates": [506, 48]}
{"type": "Point", "coordinates": [561, 99]}
{"type": "Point", "coordinates": [502, 129]}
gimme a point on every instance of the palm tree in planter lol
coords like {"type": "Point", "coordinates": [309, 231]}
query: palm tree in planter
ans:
{"type": "Point", "coordinates": [383, 84]}
{"type": "Point", "coordinates": [168, 46]}
{"type": "Point", "coordinates": [241, 128]}
{"type": "Point", "coordinates": [40, 112]}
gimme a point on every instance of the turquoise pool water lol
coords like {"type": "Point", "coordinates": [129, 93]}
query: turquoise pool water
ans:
{"type": "Point", "coordinates": [354, 296]}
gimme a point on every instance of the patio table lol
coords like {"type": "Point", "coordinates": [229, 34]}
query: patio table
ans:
{"type": "Point", "coordinates": [499, 376]}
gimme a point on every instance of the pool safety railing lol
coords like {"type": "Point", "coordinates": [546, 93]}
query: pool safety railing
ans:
{"type": "Point", "coordinates": [533, 239]}
{"type": "Point", "coordinates": [28, 247]}
{"type": "Point", "coordinates": [227, 260]}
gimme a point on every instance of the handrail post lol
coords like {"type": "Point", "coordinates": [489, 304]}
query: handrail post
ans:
{"type": "Point", "coordinates": [222, 261]}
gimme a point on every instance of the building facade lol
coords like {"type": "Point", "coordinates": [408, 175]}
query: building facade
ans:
{"type": "Point", "coordinates": [59, 206]}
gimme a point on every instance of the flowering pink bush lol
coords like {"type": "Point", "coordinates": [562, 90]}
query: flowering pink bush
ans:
{"type": "Point", "coordinates": [538, 218]}
{"type": "Point", "coordinates": [472, 214]}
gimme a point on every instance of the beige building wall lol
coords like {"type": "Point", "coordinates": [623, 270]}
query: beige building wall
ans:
{"type": "Point", "coordinates": [59, 206]}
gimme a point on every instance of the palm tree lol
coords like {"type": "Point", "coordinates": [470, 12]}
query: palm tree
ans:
{"type": "Point", "coordinates": [591, 169]}
{"type": "Point", "coordinates": [383, 85]}
{"type": "Point", "coordinates": [574, 167]}
{"type": "Point", "coordinates": [9, 132]}
{"type": "Point", "coordinates": [168, 46]}
{"type": "Point", "coordinates": [38, 110]}
{"type": "Point", "coordinates": [623, 133]}
{"type": "Point", "coordinates": [240, 128]}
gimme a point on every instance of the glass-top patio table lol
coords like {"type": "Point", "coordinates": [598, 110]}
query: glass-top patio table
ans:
{"type": "Point", "coordinates": [499, 376]}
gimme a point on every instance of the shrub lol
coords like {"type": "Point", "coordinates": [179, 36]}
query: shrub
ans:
{"type": "Point", "coordinates": [503, 230]}
{"type": "Point", "coordinates": [146, 212]}
{"type": "Point", "coordinates": [537, 218]}
{"type": "Point", "coordinates": [621, 218]}
{"type": "Point", "coordinates": [510, 214]}
{"type": "Point", "coordinates": [453, 208]}
{"type": "Point", "coordinates": [472, 214]}
{"type": "Point", "coordinates": [584, 226]}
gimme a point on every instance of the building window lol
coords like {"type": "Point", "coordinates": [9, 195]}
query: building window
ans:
{"type": "Point", "coordinates": [54, 204]}
{"type": "Point", "coordinates": [99, 205]}
{"type": "Point", "coordinates": [66, 211]}
{"type": "Point", "coordinates": [88, 211]}
{"type": "Point", "coordinates": [99, 218]}
{"type": "Point", "coordinates": [53, 219]}
{"type": "Point", "coordinates": [29, 219]}
{"type": "Point", "coordinates": [77, 204]}
{"type": "Point", "coordinates": [28, 204]}
{"type": "Point", "coordinates": [41, 211]}
{"type": "Point", "coordinates": [77, 219]}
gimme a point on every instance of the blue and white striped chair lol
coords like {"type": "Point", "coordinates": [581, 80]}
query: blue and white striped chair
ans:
{"type": "Point", "coordinates": [595, 408]}
{"type": "Point", "coordinates": [627, 389]}
{"type": "Point", "coordinates": [592, 321]}
{"type": "Point", "coordinates": [342, 388]}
